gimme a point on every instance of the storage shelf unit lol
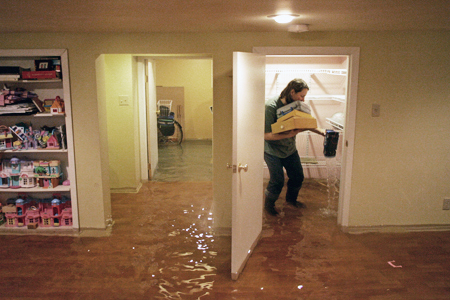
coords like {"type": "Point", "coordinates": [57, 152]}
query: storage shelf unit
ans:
{"type": "Point", "coordinates": [311, 71]}
{"type": "Point", "coordinates": [339, 98]}
{"type": "Point", "coordinates": [59, 188]}
{"type": "Point", "coordinates": [26, 81]}
{"type": "Point", "coordinates": [337, 126]}
{"type": "Point", "coordinates": [44, 88]}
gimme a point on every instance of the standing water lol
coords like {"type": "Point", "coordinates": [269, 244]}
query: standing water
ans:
{"type": "Point", "coordinates": [332, 188]}
{"type": "Point", "coordinates": [329, 150]}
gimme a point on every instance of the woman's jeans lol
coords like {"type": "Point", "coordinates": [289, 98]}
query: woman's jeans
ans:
{"type": "Point", "coordinates": [294, 172]}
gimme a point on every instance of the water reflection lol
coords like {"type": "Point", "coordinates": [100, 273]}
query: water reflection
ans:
{"type": "Point", "coordinates": [193, 257]}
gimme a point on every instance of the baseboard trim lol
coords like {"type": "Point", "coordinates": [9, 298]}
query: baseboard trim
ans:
{"type": "Point", "coordinates": [95, 232]}
{"type": "Point", "coordinates": [394, 228]}
{"type": "Point", "coordinates": [129, 190]}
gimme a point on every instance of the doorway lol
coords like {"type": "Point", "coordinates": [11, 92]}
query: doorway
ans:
{"type": "Point", "coordinates": [347, 60]}
{"type": "Point", "coordinates": [350, 58]}
{"type": "Point", "coordinates": [327, 80]}
{"type": "Point", "coordinates": [186, 83]}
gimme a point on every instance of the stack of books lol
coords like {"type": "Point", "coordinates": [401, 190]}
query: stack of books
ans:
{"type": "Point", "coordinates": [10, 73]}
{"type": "Point", "coordinates": [17, 101]}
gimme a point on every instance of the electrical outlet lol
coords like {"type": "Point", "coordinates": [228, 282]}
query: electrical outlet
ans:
{"type": "Point", "coordinates": [123, 101]}
{"type": "Point", "coordinates": [446, 205]}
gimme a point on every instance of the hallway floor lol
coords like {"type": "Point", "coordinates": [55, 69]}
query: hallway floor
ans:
{"type": "Point", "coordinates": [190, 161]}
{"type": "Point", "coordinates": [163, 246]}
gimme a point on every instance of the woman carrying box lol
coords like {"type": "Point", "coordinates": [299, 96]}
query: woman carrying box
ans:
{"type": "Point", "coordinates": [280, 150]}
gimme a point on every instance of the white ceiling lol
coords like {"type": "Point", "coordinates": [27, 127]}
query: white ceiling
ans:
{"type": "Point", "coordinates": [219, 15]}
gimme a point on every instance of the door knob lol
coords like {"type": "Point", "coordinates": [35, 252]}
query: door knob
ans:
{"type": "Point", "coordinates": [243, 167]}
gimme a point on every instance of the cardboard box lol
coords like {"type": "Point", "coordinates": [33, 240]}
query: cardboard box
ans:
{"type": "Point", "coordinates": [295, 113]}
{"type": "Point", "coordinates": [294, 123]}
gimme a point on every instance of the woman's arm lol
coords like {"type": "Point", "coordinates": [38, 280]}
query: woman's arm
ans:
{"type": "Point", "coordinates": [269, 136]}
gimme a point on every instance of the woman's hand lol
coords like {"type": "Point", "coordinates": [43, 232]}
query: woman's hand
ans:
{"type": "Point", "coordinates": [320, 131]}
{"type": "Point", "coordinates": [269, 136]}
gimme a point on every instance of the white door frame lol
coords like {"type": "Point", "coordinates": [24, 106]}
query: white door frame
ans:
{"type": "Point", "coordinates": [142, 111]}
{"type": "Point", "coordinates": [350, 119]}
{"type": "Point", "coordinates": [145, 115]}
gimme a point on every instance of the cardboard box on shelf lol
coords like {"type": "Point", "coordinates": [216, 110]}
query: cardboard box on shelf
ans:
{"type": "Point", "coordinates": [39, 75]}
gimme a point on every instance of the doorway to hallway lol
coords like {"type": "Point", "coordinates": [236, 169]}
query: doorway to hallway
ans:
{"type": "Point", "coordinates": [185, 82]}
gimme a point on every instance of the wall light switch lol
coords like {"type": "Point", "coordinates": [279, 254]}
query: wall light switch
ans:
{"type": "Point", "coordinates": [124, 101]}
{"type": "Point", "coordinates": [375, 110]}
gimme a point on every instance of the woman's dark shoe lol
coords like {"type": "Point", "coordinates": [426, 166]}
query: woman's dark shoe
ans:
{"type": "Point", "coordinates": [271, 211]}
{"type": "Point", "coordinates": [269, 203]}
{"type": "Point", "coordinates": [296, 204]}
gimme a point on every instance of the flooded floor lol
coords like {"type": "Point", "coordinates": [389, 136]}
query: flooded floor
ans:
{"type": "Point", "coordinates": [190, 161]}
{"type": "Point", "coordinates": [163, 246]}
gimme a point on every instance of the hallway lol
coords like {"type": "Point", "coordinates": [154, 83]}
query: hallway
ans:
{"type": "Point", "coordinates": [163, 246]}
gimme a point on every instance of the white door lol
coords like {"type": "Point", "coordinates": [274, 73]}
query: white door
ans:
{"type": "Point", "coordinates": [248, 157]}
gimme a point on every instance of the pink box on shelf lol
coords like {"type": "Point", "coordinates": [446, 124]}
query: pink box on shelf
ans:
{"type": "Point", "coordinates": [38, 74]}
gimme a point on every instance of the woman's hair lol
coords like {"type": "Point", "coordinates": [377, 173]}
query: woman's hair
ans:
{"type": "Point", "coordinates": [297, 85]}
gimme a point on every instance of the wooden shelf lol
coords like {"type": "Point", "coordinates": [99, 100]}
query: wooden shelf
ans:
{"type": "Point", "coordinates": [59, 188]}
{"type": "Point", "coordinates": [61, 230]}
{"type": "Point", "coordinates": [48, 115]}
{"type": "Point", "coordinates": [57, 80]}
{"type": "Point", "coordinates": [35, 151]}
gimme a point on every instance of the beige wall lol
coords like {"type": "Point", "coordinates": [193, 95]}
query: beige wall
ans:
{"type": "Point", "coordinates": [122, 125]}
{"type": "Point", "coordinates": [401, 159]}
{"type": "Point", "coordinates": [195, 76]}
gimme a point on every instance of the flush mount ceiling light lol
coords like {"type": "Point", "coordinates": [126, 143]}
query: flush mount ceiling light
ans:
{"type": "Point", "coordinates": [283, 18]}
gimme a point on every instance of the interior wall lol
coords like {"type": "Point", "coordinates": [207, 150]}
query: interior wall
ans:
{"type": "Point", "coordinates": [400, 167]}
{"type": "Point", "coordinates": [196, 78]}
{"type": "Point", "coordinates": [123, 136]}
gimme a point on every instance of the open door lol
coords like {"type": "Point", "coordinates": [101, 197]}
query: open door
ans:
{"type": "Point", "coordinates": [248, 157]}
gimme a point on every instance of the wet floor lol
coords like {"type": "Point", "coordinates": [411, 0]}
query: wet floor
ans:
{"type": "Point", "coordinates": [163, 246]}
{"type": "Point", "coordinates": [189, 161]}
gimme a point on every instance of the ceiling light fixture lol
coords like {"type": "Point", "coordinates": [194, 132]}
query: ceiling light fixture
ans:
{"type": "Point", "coordinates": [283, 18]}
